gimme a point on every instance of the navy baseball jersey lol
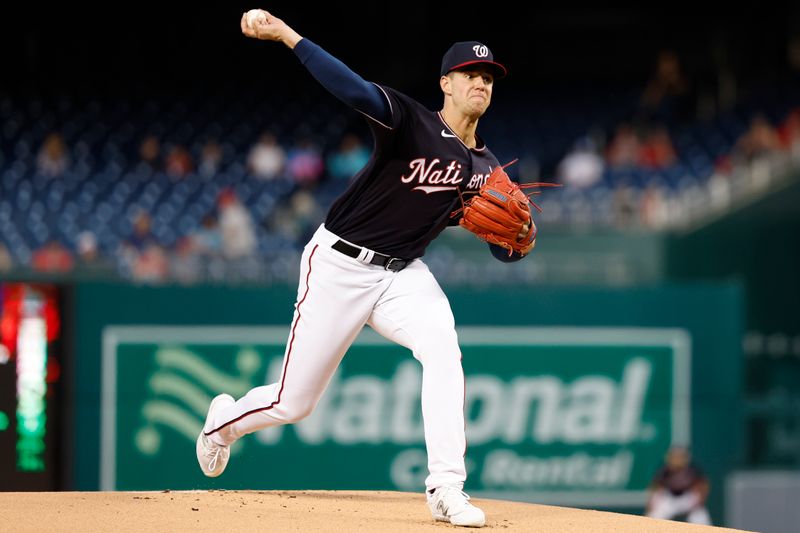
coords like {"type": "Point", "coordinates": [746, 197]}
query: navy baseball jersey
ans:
{"type": "Point", "coordinates": [404, 196]}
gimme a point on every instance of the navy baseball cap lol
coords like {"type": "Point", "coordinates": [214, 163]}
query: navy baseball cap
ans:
{"type": "Point", "coordinates": [467, 53]}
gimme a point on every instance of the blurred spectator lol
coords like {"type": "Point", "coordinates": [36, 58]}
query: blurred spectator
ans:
{"type": "Point", "coordinates": [583, 166]}
{"type": "Point", "coordinates": [652, 207]}
{"type": "Point", "coordinates": [6, 263]}
{"type": "Point", "coordinates": [666, 95]}
{"type": "Point", "coordinates": [789, 132]}
{"type": "Point", "coordinates": [759, 140]}
{"type": "Point", "coordinates": [299, 218]}
{"type": "Point", "coordinates": [141, 236]}
{"type": "Point", "coordinates": [151, 264]}
{"type": "Point", "coordinates": [719, 184]}
{"type": "Point", "coordinates": [305, 163]}
{"type": "Point", "coordinates": [657, 151]}
{"type": "Point", "coordinates": [207, 240]}
{"type": "Point", "coordinates": [134, 244]}
{"type": "Point", "coordinates": [179, 161]}
{"type": "Point", "coordinates": [186, 265]}
{"type": "Point", "coordinates": [351, 157]}
{"type": "Point", "coordinates": [266, 159]}
{"type": "Point", "coordinates": [282, 221]}
{"type": "Point", "coordinates": [236, 225]}
{"type": "Point", "coordinates": [87, 247]}
{"type": "Point", "coordinates": [307, 213]}
{"type": "Point", "coordinates": [679, 489]}
{"type": "Point", "coordinates": [52, 257]}
{"type": "Point", "coordinates": [53, 157]}
{"type": "Point", "coordinates": [623, 150]}
{"type": "Point", "coordinates": [89, 258]}
{"type": "Point", "coordinates": [150, 153]}
{"type": "Point", "coordinates": [723, 165]}
{"type": "Point", "coordinates": [210, 159]}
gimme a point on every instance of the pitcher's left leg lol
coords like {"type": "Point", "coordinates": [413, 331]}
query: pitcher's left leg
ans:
{"type": "Point", "coordinates": [415, 313]}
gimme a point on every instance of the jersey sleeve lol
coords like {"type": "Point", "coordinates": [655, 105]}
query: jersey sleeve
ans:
{"type": "Point", "coordinates": [363, 96]}
{"type": "Point", "coordinates": [401, 107]}
{"type": "Point", "coordinates": [501, 254]}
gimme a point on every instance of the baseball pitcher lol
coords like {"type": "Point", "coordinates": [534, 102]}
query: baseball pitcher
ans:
{"type": "Point", "coordinates": [428, 170]}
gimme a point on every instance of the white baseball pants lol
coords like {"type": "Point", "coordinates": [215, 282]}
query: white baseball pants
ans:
{"type": "Point", "coordinates": [336, 296]}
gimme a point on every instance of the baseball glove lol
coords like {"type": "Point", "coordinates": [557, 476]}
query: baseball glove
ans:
{"type": "Point", "coordinates": [500, 213]}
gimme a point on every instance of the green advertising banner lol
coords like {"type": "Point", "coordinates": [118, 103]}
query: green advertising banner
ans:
{"type": "Point", "coordinates": [570, 416]}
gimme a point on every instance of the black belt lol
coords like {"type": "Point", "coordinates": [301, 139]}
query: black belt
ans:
{"type": "Point", "coordinates": [395, 264]}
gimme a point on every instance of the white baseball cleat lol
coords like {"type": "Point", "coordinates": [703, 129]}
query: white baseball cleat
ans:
{"type": "Point", "coordinates": [449, 503]}
{"type": "Point", "coordinates": [213, 457]}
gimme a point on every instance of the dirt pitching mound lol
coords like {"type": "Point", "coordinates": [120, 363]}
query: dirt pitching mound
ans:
{"type": "Point", "coordinates": [279, 511]}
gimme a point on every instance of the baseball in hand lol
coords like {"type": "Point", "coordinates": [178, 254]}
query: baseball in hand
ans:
{"type": "Point", "coordinates": [254, 16]}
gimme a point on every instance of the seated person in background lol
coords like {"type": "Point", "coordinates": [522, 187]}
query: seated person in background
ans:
{"type": "Point", "coordinates": [152, 264]}
{"type": "Point", "coordinates": [351, 157]}
{"type": "Point", "coordinates": [53, 157]}
{"type": "Point", "coordinates": [623, 150]}
{"type": "Point", "coordinates": [583, 166]}
{"type": "Point", "coordinates": [304, 162]}
{"type": "Point", "coordinates": [52, 257]}
{"type": "Point", "coordinates": [150, 154]}
{"type": "Point", "coordinates": [266, 159]}
{"type": "Point", "coordinates": [657, 151]}
{"type": "Point", "coordinates": [134, 244]}
{"type": "Point", "coordinates": [679, 489]}
{"type": "Point", "coordinates": [789, 131]}
{"type": "Point", "coordinates": [88, 257]}
{"type": "Point", "coordinates": [179, 162]}
{"type": "Point", "coordinates": [210, 159]}
{"type": "Point", "coordinates": [207, 239]}
{"type": "Point", "coordinates": [236, 226]}
{"type": "Point", "coordinates": [141, 235]}
{"type": "Point", "coordinates": [761, 139]}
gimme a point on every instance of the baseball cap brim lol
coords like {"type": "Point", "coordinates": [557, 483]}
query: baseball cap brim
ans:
{"type": "Point", "coordinates": [499, 70]}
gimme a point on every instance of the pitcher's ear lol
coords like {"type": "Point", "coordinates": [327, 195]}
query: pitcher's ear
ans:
{"type": "Point", "coordinates": [444, 83]}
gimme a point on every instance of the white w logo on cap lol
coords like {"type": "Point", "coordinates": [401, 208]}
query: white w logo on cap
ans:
{"type": "Point", "coordinates": [481, 50]}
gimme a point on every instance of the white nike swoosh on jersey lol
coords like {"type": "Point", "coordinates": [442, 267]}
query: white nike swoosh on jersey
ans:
{"type": "Point", "coordinates": [445, 134]}
{"type": "Point", "coordinates": [427, 189]}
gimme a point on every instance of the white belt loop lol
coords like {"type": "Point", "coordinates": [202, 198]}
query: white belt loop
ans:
{"type": "Point", "coordinates": [366, 255]}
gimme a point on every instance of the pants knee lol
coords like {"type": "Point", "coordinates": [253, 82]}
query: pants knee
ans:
{"type": "Point", "coordinates": [295, 410]}
{"type": "Point", "coordinates": [439, 348]}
